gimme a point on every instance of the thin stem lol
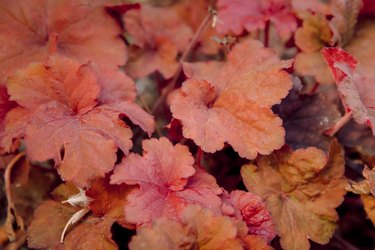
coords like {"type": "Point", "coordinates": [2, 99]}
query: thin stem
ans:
{"type": "Point", "coordinates": [199, 157]}
{"type": "Point", "coordinates": [267, 34]}
{"type": "Point", "coordinates": [144, 104]}
{"type": "Point", "coordinates": [11, 210]}
{"type": "Point", "coordinates": [346, 245]}
{"type": "Point", "coordinates": [52, 43]}
{"type": "Point", "coordinates": [188, 49]}
{"type": "Point", "coordinates": [339, 124]}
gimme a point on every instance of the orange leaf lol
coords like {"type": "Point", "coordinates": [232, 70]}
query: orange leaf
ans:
{"type": "Point", "coordinates": [302, 188]}
{"type": "Point", "coordinates": [232, 102]}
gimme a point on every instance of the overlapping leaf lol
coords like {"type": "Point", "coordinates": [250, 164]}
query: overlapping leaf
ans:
{"type": "Point", "coordinates": [157, 35]}
{"type": "Point", "coordinates": [199, 229]}
{"type": "Point", "coordinates": [231, 102]}
{"type": "Point", "coordinates": [64, 104]}
{"type": "Point", "coordinates": [251, 209]}
{"type": "Point", "coordinates": [307, 117]}
{"type": "Point", "coordinates": [356, 91]}
{"type": "Point", "coordinates": [319, 31]}
{"type": "Point", "coordinates": [239, 15]}
{"type": "Point", "coordinates": [167, 181]}
{"type": "Point", "coordinates": [92, 233]}
{"type": "Point", "coordinates": [80, 29]}
{"type": "Point", "coordinates": [302, 188]}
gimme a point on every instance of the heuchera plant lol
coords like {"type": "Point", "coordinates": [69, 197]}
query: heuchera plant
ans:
{"type": "Point", "coordinates": [183, 125]}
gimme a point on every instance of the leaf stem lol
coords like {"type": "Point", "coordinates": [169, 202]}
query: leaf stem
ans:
{"type": "Point", "coordinates": [206, 21]}
{"type": "Point", "coordinates": [11, 209]}
{"type": "Point", "coordinates": [267, 34]}
{"type": "Point", "coordinates": [199, 157]}
{"type": "Point", "coordinates": [339, 124]}
{"type": "Point", "coordinates": [52, 43]}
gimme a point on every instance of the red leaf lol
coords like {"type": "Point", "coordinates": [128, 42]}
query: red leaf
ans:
{"type": "Point", "coordinates": [251, 209]}
{"type": "Point", "coordinates": [356, 90]}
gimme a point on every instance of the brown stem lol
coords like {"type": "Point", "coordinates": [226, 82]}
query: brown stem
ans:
{"type": "Point", "coordinates": [15, 245]}
{"type": "Point", "coordinates": [11, 210]}
{"type": "Point", "coordinates": [339, 124]}
{"type": "Point", "coordinates": [184, 55]}
{"type": "Point", "coordinates": [144, 104]}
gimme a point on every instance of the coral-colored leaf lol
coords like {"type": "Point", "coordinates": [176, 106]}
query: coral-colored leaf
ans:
{"type": "Point", "coordinates": [83, 30]}
{"type": "Point", "coordinates": [157, 35]}
{"type": "Point", "coordinates": [62, 107]}
{"type": "Point", "coordinates": [239, 15]}
{"type": "Point", "coordinates": [163, 234]}
{"type": "Point", "coordinates": [167, 181]}
{"type": "Point", "coordinates": [355, 89]}
{"type": "Point", "coordinates": [199, 228]}
{"type": "Point", "coordinates": [212, 232]}
{"type": "Point", "coordinates": [233, 105]}
{"type": "Point", "coordinates": [302, 188]}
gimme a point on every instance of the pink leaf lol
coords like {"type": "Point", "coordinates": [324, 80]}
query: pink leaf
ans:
{"type": "Point", "coordinates": [167, 181]}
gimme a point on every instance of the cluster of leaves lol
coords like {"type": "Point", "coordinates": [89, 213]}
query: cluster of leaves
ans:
{"type": "Point", "coordinates": [185, 124]}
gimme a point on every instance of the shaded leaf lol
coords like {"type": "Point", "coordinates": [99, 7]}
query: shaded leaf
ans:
{"type": "Point", "coordinates": [301, 188]}
{"type": "Point", "coordinates": [82, 28]}
{"type": "Point", "coordinates": [157, 35]}
{"type": "Point", "coordinates": [163, 234]}
{"type": "Point", "coordinates": [239, 15]}
{"type": "Point", "coordinates": [306, 118]}
{"type": "Point", "coordinates": [107, 199]}
{"type": "Point", "coordinates": [55, 215]}
{"type": "Point", "coordinates": [345, 14]}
